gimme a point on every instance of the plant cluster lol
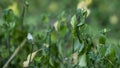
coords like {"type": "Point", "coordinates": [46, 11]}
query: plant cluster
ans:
{"type": "Point", "coordinates": [70, 42]}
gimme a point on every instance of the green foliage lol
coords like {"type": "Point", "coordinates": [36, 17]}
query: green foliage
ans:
{"type": "Point", "coordinates": [70, 42]}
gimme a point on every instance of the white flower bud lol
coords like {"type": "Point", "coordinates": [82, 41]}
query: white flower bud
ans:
{"type": "Point", "coordinates": [29, 36]}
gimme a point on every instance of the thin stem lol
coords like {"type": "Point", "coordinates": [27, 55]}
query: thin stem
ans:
{"type": "Point", "coordinates": [22, 18]}
{"type": "Point", "coordinates": [49, 37]}
{"type": "Point", "coordinates": [49, 40]}
{"type": "Point", "coordinates": [15, 53]}
{"type": "Point", "coordinates": [31, 50]}
{"type": "Point", "coordinates": [77, 33]}
{"type": "Point", "coordinates": [73, 46]}
{"type": "Point", "coordinates": [8, 42]}
{"type": "Point", "coordinates": [7, 35]}
{"type": "Point", "coordinates": [25, 8]}
{"type": "Point", "coordinates": [110, 62]}
{"type": "Point", "coordinates": [73, 49]}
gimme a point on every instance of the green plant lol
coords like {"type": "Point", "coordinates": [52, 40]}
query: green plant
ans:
{"type": "Point", "coordinates": [70, 42]}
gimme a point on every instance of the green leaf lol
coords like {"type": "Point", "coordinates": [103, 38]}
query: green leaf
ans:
{"type": "Point", "coordinates": [8, 15]}
{"type": "Point", "coordinates": [11, 25]}
{"type": "Point", "coordinates": [38, 59]}
{"type": "Point", "coordinates": [102, 39]}
{"type": "Point", "coordinates": [85, 14]}
{"type": "Point", "coordinates": [51, 61]}
{"type": "Point", "coordinates": [82, 60]}
{"type": "Point", "coordinates": [110, 51]}
{"type": "Point", "coordinates": [73, 21]}
{"type": "Point", "coordinates": [80, 16]}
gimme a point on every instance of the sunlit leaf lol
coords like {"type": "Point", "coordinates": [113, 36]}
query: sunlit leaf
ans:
{"type": "Point", "coordinates": [82, 60]}
{"type": "Point", "coordinates": [14, 7]}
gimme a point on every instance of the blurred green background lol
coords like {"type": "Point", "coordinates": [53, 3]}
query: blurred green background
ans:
{"type": "Point", "coordinates": [103, 13]}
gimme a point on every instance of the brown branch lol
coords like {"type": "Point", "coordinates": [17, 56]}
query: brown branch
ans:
{"type": "Point", "coordinates": [14, 54]}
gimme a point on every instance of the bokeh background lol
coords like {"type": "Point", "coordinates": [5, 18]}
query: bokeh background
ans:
{"type": "Point", "coordinates": [103, 13]}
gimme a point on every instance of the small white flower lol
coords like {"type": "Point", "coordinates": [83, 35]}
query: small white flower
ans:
{"type": "Point", "coordinates": [29, 36]}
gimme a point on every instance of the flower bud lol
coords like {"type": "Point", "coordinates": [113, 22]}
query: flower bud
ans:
{"type": "Point", "coordinates": [29, 36]}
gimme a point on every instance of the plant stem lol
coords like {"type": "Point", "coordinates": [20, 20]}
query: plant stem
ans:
{"type": "Point", "coordinates": [77, 33]}
{"type": "Point", "coordinates": [73, 46]}
{"type": "Point", "coordinates": [31, 50]}
{"type": "Point", "coordinates": [110, 62]}
{"type": "Point", "coordinates": [22, 18]}
{"type": "Point", "coordinates": [73, 49]}
{"type": "Point", "coordinates": [14, 54]}
{"type": "Point", "coordinates": [49, 40]}
{"type": "Point", "coordinates": [7, 35]}
{"type": "Point", "coordinates": [8, 43]}
{"type": "Point", "coordinates": [25, 7]}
